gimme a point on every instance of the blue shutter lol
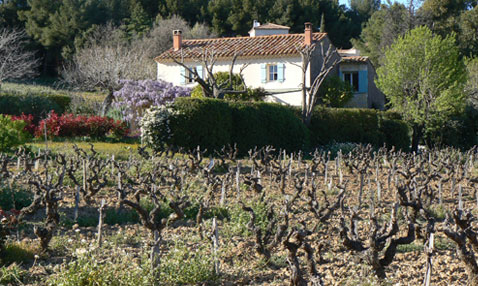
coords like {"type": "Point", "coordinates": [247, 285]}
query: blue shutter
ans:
{"type": "Point", "coordinates": [199, 70]}
{"type": "Point", "coordinates": [341, 75]}
{"type": "Point", "coordinates": [363, 81]}
{"type": "Point", "coordinates": [182, 75]}
{"type": "Point", "coordinates": [263, 73]}
{"type": "Point", "coordinates": [280, 72]}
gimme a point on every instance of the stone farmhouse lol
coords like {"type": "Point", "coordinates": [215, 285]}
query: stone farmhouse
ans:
{"type": "Point", "coordinates": [273, 63]}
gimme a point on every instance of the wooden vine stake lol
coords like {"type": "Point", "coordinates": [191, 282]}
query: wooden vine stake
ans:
{"type": "Point", "coordinates": [223, 193]}
{"type": "Point", "coordinates": [215, 246]}
{"type": "Point", "coordinates": [77, 203]}
{"type": "Point", "coordinates": [429, 253]}
{"type": "Point", "coordinates": [100, 222]}
{"type": "Point", "coordinates": [238, 180]}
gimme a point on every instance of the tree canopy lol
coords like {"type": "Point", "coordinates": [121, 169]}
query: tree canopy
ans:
{"type": "Point", "coordinates": [423, 77]}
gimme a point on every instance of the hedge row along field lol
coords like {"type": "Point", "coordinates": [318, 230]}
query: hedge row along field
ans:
{"type": "Point", "coordinates": [212, 124]}
{"type": "Point", "coordinates": [368, 217]}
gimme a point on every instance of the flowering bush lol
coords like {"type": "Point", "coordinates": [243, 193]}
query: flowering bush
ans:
{"type": "Point", "coordinates": [69, 125]}
{"type": "Point", "coordinates": [155, 126]}
{"type": "Point", "coordinates": [137, 96]}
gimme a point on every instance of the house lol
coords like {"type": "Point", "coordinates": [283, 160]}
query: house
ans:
{"type": "Point", "coordinates": [273, 63]}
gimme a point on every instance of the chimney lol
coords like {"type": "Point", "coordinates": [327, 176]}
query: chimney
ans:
{"type": "Point", "coordinates": [256, 24]}
{"type": "Point", "coordinates": [308, 34]}
{"type": "Point", "coordinates": [177, 40]}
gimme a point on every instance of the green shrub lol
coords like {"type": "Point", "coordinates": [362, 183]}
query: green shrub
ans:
{"type": "Point", "coordinates": [12, 133]}
{"type": "Point", "coordinates": [366, 126]}
{"type": "Point", "coordinates": [336, 92]}
{"type": "Point", "coordinates": [460, 131]}
{"type": "Point", "coordinates": [201, 122]}
{"type": "Point", "coordinates": [260, 124]}
{"type": "Point", "coordinates": [14, 199]}
{"type": "Point", "coordinates": [36, 104]}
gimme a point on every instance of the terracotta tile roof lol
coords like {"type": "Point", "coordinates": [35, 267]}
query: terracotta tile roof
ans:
{"type": "Point", "coordinates": [259, 46]}
{"type": "Point", "coordinates": [270, 26]}
{"type": "Point", "coordinates": [354, 59]}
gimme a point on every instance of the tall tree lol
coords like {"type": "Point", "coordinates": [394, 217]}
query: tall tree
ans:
{"type": "Point", "coordinates": [381, 30]}
{"type": "Point", "coordinates": [423, 77]}
{"type": "Point", "coordinates": [365, 8]}
{"type": "Point", "coordinates": [9, 13]}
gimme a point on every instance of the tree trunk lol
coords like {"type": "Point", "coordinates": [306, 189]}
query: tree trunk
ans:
{"type": "Point", "coordinates": [416, 137]}
{"type": "Point", "coordinates": [107, 103]}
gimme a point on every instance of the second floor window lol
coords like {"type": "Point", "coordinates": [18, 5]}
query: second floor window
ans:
{"type": "Point", "coordinates": [272, 74]}
{"type": "Point", "coordinates": [353, 79]}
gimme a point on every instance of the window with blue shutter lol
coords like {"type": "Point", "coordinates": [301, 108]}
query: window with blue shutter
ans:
{"type": "Point", "coordinates": [263, 73]}
{"type": "Point", "coordinates": [363, 81]}
{"type": "Point", "coordinates": [199, 70]}
{"type": "Point", "coordinates": [280, 72]}
{"type": "Point", "coordinates": [182, 75]}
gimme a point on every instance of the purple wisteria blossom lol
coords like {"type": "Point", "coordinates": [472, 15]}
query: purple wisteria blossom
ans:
{"type": "Point", "coordinates": [136, 96]}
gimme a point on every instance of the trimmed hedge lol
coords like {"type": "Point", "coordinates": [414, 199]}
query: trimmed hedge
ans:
{"type": "Point", "coordinates": [203, 122]}
{"type": "Point", "coordinates": [367, 126]}
{"type": "Point", "coordinates": [39, 105]}
{"type": "Point", "coordinates": [261, 124]}
{"type": "Point", "coordinates": [212, 124]}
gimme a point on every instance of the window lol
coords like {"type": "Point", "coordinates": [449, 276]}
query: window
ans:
{"type": "Point", "coordinates": [272, 73]}
{"type": "Point", "coordinates": [353, 79]}
{"type": "Point", "coordinates": [189, 77]}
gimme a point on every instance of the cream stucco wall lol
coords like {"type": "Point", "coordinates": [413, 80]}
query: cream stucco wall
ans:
{"type": "Point", "coordinates": [286, 92]}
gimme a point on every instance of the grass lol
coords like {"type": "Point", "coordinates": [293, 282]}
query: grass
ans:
{"type": "Point", "coordinates": [12, 275]}
{"type": "Point", "coordinates": [17, 252]}
{"type": "Point", "coordinates": [46, 86]}
{"type": "Point", "coordinates": [121, 151]}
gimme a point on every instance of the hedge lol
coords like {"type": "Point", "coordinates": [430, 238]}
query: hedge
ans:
{"type": "Point", "coordinates": [202, 122]}
{"type": "Point", "coordinates": [261, 124]}
{"type": "Point", "coordinates": [36, 104]}
{"type": "Point", "coordinates": [212, 124]}
{"type": "Point", "coordinates": [366, 126]}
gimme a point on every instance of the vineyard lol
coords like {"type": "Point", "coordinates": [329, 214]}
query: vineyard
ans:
{"type": "Point", "coordinates": [368, 217]}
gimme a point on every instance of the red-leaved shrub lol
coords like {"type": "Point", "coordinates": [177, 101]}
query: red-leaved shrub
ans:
{"type": "Point", "coordinates": [28, 119]}
{"type": "Point", "coordinates": [70, 125]}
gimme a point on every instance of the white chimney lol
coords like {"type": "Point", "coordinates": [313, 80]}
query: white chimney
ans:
{"type": "Point", "coordinates": [256, 24]}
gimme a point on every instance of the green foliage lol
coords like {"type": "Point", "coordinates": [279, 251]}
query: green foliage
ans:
{"type": "Point", "coordinates": [181, 266]}
{"type": "Point", "coordinates": [212, 124]}
{"type": "Point", "coordinates": [460, 131]}
{"type": "Point", "coordinates": [384, 26]}
{"type": "Point", "coordinates": [252, 94]}
{"type": "Point", "coordinates": [262, 124]}
{"type": "Point", "coordinates": [336, 92]}
{"type": "Point", "coordinates": [364, 126]}
{"type": "Point", "coordinates": [423, 77]}
{"type": "Point", "coordinates": [38, 105]}
{"type": "Point", "coordinates": [12, 275]}
{"type": "Point", "coordinates": [87, 270]}
{"type": "Point", "coordinates": [16, 253]}
{"type": "Point", "coordinates": [201, 122]}
{"type": "Point", "coordinates": [14, 199]}
{"type": "Point", "coordinates": [11, 133]}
